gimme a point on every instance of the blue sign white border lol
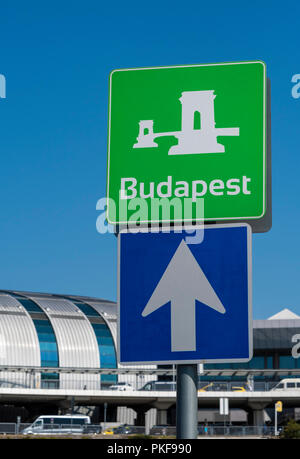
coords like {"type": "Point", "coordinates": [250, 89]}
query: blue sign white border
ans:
{"type": "Point", "coordinates": [250, 296]}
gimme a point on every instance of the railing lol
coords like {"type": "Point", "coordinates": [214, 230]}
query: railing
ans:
{"type": "Point", "coordinates": [236, 431]}
{"type": "Point", "coordinates": [83, 382]}
{"type": "Point", "coordinates": [10, 428]}
{"type": "Point", "coordinates": [92, 429]}
{"type": "Point", "coordinates": [100, 379]}
{"type": "Point", "coordinates": [236, 386]}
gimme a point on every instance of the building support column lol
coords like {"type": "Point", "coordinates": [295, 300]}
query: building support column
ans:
{"type": "Point", "coordinates": [258, 417]}
{"type": "Point", "coordinates": [256, 414]}
{"type": "Point", "coordinates": [162, 416]}
{"type": "Point", "coordinates": [141, 411]}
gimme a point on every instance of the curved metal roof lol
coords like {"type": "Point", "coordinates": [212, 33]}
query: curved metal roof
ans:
{"type": "Point", "coordinates": [75, 337]}
{"type": "Point", "coordinates": [109, 314]}
{"type": "Point", "coordinates": [19, 340]}
{"type": "Point", "coordinates": [76, 340]}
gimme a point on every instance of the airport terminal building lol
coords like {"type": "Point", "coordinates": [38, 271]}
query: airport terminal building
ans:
{"type": "Point", "coordinates": [68, 342]}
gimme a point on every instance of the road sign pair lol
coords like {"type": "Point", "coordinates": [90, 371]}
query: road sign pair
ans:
{"type": "Point", "coordinates": [179, 135]}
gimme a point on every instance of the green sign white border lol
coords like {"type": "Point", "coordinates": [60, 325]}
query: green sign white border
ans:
{"type": "Point", "coordinates": [264, 142]}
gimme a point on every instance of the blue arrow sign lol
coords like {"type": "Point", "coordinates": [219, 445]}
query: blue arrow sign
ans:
{"type": "Point", "coordinates": [185, 303]}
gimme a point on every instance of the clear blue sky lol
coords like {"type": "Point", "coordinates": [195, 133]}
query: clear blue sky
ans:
{"type": "Point", "coordinates": [56, 57]}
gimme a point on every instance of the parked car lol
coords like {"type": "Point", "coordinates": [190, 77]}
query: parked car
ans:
{"type": "Point", "coordinates": [160, 386]}
{"type": "Point", "coordinates": [121, 386]}
{"type": "Point", "coordinates": [92, 429]}
{"type": "Point", "coordinates": [108, 431]}
{"type": "Point", "coordinates": [238, 389]}
{"type": "Point", "coordinates": [163, 430]}
{"type": "Point", "coordinates": [124, 429]}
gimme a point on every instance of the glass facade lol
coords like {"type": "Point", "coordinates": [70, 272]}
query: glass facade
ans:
{"type": "Point", "coordinates": [269, 360]}
{"type": "Point", "coordinates": [48, 345]}
{"type": "Point", "coordinates": [255, 363]}
{"type": "Point", "coordinates": [288, 362]}
{"type": "Point", "coordinates": [107, 351]}
{"type": "Point", "coordinates": [29, 305]}
{"type": "Point", "coordinates": [47, 341]}
{"type": "Point", "coordinates": [86, 309]}
{"type": "Point", "coordinates": [105, 343]}
{"type": "Point", "coordinates": [49, 352]}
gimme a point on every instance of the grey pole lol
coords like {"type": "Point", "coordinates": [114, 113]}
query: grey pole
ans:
{"type": "Point", "coordinates": [105, 412]}
{"type": "Point", "coordinates": [187, 402]}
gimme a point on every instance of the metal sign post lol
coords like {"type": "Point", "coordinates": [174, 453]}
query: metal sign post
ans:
{"type": "Point", "coordinates": [104, 416]}
{"type": "Point", "coordinates": [224, 409]}
{"type": "Point", "coordinates": [278, 408]}
{"type": "Point", "coordinates": [187, 403]}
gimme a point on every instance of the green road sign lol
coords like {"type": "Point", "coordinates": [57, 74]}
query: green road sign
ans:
{"type": "Point", "coordinates": [187, 134]}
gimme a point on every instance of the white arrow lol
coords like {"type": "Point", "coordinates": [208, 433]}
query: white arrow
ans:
{"type": "Point", "coordinates": [182, 283]}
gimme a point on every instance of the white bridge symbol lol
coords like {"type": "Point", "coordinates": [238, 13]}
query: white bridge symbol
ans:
{"type": "Point", "coordinates": [203, 139]}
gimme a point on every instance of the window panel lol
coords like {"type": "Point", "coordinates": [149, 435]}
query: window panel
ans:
{"type": "Point", "coordinates": [48, 344]}
{"type": "Point", "coordinates": [106, 350]}
{"type": "Point", "coordinates": [29, 305]}
{"type": "Point", "coordinates": [86, 309]}
{"type": "Point", "coordinates": [286, 361]}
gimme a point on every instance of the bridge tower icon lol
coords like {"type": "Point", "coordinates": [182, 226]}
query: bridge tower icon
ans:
{"type": "Point", "coordinates": [191, 139]}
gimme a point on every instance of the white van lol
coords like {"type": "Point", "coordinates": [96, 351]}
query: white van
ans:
{"type": "Point", "coordinates": [58, 425]}
{"type": "Point", "coordinates": [288, 384]}
{"type": "Point", "coordinates": [160, 386]}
